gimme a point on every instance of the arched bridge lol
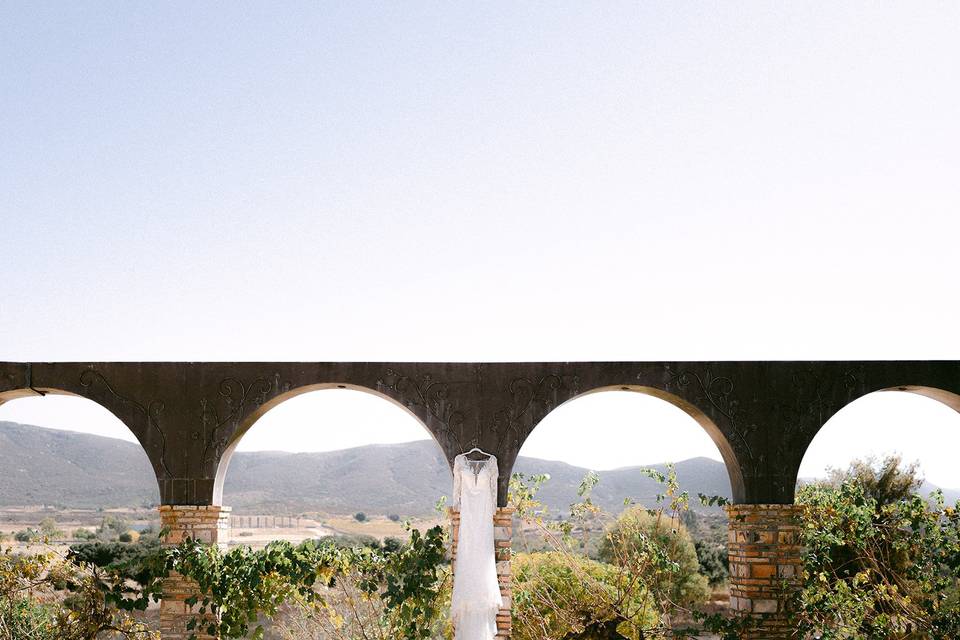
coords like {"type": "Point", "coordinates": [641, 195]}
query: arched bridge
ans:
{"type": "Point", "coordinates": [762, 415]}
{"type": "Point", "coordinates": [189, 416]}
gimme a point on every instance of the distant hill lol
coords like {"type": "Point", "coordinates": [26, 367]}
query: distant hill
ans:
{"type": "Point", "coordinates": [408, 478]}
{"type": "Point", "coordinates": [53, 467]}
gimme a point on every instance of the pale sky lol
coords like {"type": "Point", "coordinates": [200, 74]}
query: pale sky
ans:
{"type": "Point", "coordinates": [506, 181]}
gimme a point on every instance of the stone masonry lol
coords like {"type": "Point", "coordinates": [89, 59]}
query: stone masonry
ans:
{"type": "Point", "coordinates": [765, 561]}
{"type": "Point", "coordinates": [209, 524]}
{"type": "Point", "coordinates": [502, 540]}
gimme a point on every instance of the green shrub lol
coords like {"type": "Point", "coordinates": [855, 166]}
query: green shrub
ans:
{"type": "Point", "coordinates": [389, 595]}
{"type": "Point", "coordinates": [27, 535]}
{"type": "Point", "coordinates": [26, 619]}
{"type": "Point", "coordinates": [564, 596]}
{"type": "Point", "coordinates": [639, 540]}
{"type": "Point", "coordinates": [880, 561]}
{"type": "Point", "coordinates": [714, 561]}
{"type": "Point", "coordinates": [142, 561]}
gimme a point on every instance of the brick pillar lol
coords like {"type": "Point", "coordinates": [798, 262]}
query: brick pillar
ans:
{"type": "Point", "coordinates": [502, 541]}
{"type": "Point", "coordinates": [210, 524]}
{"type": "Point", "coordinates": [764, 553]}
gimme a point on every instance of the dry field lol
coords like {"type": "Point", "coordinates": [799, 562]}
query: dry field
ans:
{"type": "Point", "coordinates": [322, 525]}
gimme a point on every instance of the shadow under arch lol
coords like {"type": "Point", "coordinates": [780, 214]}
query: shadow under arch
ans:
{"type": "Point", "coordinates": [250, 419]}
{"type": "Point", "coordinates": [737, 487]}
{"type": "Point", "coordinates": [42, 392]}
{"type": "Point", "coordinates": [944, 397]}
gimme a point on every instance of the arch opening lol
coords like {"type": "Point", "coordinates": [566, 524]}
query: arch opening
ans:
{"type": "Point", "coordinates": [919, 424]}
{"type": "Point", "coordinates": [608, 436]}
{"type": "Point", "coordinates": [331, 459]}
{"type": "Point", "coordinates": [701, 436]}
{"type": "Point", "coordinates": [73, 467]}
{"type": "Point", "coordinates": [651, 425]}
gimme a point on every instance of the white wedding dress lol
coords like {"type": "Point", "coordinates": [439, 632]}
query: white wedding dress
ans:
{"type": "Point", "coordinates": [476, 591]}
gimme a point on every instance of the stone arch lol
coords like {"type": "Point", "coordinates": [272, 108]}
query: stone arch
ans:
{"type": "Point", "coordinates": [947, 398]}
{"type": "Point", "coordinates": [251, 418]}
{"type": "Point", "coordinates": [727, 453]}
{"type": "Point", "coordinates": [34, 392]}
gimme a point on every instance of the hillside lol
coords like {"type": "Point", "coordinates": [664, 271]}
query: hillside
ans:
{"type": "Point", "coordinates": [65, 468]}
{"type": "Point", "coordinates": [52, 467]}
{"type": "Point", "coordinates": [408, 478]}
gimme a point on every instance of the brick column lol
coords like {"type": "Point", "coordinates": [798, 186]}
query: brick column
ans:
{"type": "Point", "coordinates": [502, 541]}
{"type": "Point", "coordinates": [765, 560]}
{"type": "Point", "coordinates": [210, 524]}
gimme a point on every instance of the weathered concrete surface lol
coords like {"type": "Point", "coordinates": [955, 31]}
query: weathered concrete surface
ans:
{"type": "Point", "coordinates": [189, 415]}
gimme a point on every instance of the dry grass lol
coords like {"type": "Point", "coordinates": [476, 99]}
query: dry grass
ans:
{"type": "Point", "coordinates": [377, 526]}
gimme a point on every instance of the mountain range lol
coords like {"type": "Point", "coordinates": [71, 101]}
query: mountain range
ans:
{"type": "Point", "coordinates": [79, 470]}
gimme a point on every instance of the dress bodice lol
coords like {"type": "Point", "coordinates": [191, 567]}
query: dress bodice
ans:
{"type": "Point", "coordinates": [475, 478]}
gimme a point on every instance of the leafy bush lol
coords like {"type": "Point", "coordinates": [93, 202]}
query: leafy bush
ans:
{"type": "Point", "coordinates": [559, 595]}
{"type": "Point", "coordinates": [48, 528]}
{"type": "Point", "coordinates": [880, 561]}
{"type": "Point", "coordinates": [360, 516]}
{"type": "Point", "coordinates": [22, 618]}
{"type": "Point", "coordinates": [142, 562]}
{"type": "Point", "coordinates": [48, 596]}
{"type": "Point", "coordinates": [343, 541]}
{"type": "Point", "coordinates": [391, 545]}
{"type": "Point", "coordinates": [26, 535]}
{"type": "Point", "coordinates": [404, 591]}
{"type": "Point", "coordinates": [643, 585]}
{"type": "Point", "coordinates": [714, 561]}
{"type": "Point", "coordinates": [660, 546]}
{"type": "Point", "coordinates": [111, 527]}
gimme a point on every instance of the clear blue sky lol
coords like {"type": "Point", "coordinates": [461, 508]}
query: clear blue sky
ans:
{"type": "Point", "coordinates": [500, 181]}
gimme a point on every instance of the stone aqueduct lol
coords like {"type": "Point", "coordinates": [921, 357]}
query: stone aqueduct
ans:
{"type": "Point", "coordinates": [189, 416]}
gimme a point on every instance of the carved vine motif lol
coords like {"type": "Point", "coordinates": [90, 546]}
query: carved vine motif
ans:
{"type": "Point", "coordinates": [151, 412]}
{"type": "Point", "coordinates": [525, 394]}
{"type": "Point", "coordinates": [718, 391]}
{"type": "Point", "coordinates": [233, 401]}
{"type": "Point", "coordinates": [813, 401]}
{"type": "Point", "coordinates": [432, 396]}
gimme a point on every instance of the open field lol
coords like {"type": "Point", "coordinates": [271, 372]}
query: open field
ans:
{"type": "Point", "coordinates": [322, 525]}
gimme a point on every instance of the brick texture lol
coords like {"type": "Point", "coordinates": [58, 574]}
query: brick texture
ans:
{"type": "Point", "coordinates": [764, 554]}
{"type": "Point", "coordinates": [209, 524]}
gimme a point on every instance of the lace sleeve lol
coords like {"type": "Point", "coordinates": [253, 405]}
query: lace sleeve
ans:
{"type": "Point", "coordinates": [455, 498]}
{"type": "Point", "coordinates": [494, 479]}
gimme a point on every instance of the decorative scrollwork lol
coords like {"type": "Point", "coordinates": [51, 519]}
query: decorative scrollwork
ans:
{"type": "Point", "coordinates": [548, 391]}
{"type": "Point", "coordinates": [431, 396]}
{"type": "Point", "coordinates": [718, 391]}
{"type": "Point", "coordinates": [814, 399]}
{"type": "Point", "coordinates": [234, 400]}
{"type": "Point", "coordinates": [151, 412]}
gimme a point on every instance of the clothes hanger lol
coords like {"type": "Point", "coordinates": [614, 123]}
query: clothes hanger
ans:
{"type": "Point", "coordinates": [486, 456]}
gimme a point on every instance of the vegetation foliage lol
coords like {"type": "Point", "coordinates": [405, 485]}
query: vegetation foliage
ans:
{"type": "Point", "coordinates": [48, 596]}
{"type": "Point", "coordinates": [880, 561]}
{"type": "Point", "coordinates": [328, 584]}
{"type": "Point", "coordinates": [644, 581]}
